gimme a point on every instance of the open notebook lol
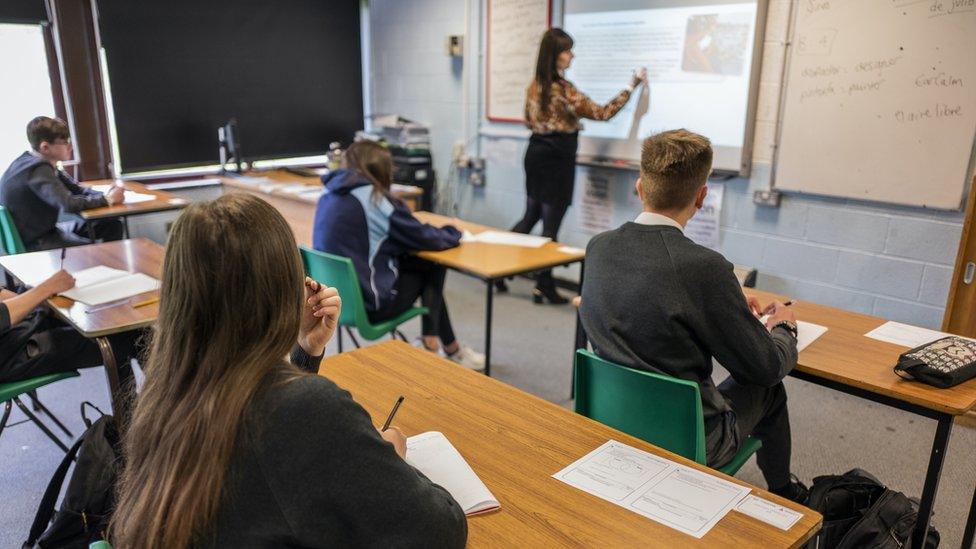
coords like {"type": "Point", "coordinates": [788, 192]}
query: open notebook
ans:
{"type": "Point", "coordinates": [102, 284]}
{"type": "Point", "coordinates": [433, 455]}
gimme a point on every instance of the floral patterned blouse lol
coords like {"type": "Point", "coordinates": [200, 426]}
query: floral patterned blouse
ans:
{"type": "Point", "coordinates": [566, 106]}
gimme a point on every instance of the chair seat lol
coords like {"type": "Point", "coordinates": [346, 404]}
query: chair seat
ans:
{"type": "Point", "coordinates": [16, 388]}
{"type": "Point", "coordinates": [749, 447]}
{"type": "Point", "coordinates": [380, 329]}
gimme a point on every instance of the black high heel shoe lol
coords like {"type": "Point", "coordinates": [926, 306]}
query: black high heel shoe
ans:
{"type": "Point", "coordinates": [500, 286]}
{"type": "Point", "coordinates": [542, 293]}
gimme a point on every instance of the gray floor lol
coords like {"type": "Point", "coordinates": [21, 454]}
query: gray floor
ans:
{"type": "Point", "coordinates": [832, 432]}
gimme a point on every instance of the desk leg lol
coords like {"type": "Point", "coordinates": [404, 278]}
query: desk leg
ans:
{"type": "Point", "coordinates": [488, 307]}
{"type": "Point", "coordinates": [939, 447]}
{"type": "Point", "coordinates": [967, 537]}
{"type": "Point", "coordinates": [119, 401]}
{"type": "Point", "coordinates": [125, 226]}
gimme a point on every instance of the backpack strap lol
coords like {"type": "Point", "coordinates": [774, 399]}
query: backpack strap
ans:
{"type": "Point", "coordinates": [46, 509]}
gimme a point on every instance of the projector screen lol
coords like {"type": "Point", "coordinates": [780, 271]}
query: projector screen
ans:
{"type": "Point", "coordinates": [700, 59]}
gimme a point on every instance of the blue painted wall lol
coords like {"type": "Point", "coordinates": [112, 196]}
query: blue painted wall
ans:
{"type": "Point", "coordinates": [890, 261]}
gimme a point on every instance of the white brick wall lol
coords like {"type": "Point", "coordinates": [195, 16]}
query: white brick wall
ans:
{"type": "Point", "coordinates": [890, 261]}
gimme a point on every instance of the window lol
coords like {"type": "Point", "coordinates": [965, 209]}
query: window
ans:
{"type": "Point", "coordinates": [26, 92]}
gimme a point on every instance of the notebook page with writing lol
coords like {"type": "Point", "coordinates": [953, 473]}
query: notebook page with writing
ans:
{"type": "Point", "coordinates": [433, 455]}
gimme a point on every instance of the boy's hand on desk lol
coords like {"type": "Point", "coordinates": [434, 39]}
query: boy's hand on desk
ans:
{"type": "Point", "coordinates": [115, 195]}
{"type": "Point", "coordinates": [394, 436]}
{"type": "Point", "coordinates": [320, 317]}
{"type": "Point", "coordinates": [60, 281]}
{"type": "Point", "coordinates": [778, 312]}
{"type": "Point", "coordinates": [755, 306]}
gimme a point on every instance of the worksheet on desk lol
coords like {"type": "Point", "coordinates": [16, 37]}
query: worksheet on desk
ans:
{"type": "Point", "coordinates": [684, 498]}
{"type": "Point", "coordinates": [131, 197]}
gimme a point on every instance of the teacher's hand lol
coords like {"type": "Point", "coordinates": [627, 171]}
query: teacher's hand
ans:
{"type": "Point", "coordinates": [640, 75]}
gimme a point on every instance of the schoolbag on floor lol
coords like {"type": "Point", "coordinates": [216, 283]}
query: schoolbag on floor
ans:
{"type": "Point", "coordinates": [90, 498]}
{"type": "Point", "coordinates": [860, 512]}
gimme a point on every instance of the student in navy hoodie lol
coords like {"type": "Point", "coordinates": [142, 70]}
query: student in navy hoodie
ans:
{"type": "Point", "coordinates": [36, 191]}
{"type": "Point", "coordinates": [359, 219]}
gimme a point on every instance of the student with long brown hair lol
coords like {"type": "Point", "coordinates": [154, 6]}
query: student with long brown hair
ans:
{"type": "Point", "coordinates": [232, 446]}
{"type": "Point", "coordinates": [553, 109]}
{"type": "Point", "coordinates": [359, 219]}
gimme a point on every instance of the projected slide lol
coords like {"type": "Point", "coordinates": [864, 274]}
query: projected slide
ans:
{"type": "Point", "coordinates": [699, 61]}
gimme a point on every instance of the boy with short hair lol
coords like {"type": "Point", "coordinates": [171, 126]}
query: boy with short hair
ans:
{"type": "Point", "coordinates": [656, 301]}
{"type": "Point", "coordinates": [34, 190]}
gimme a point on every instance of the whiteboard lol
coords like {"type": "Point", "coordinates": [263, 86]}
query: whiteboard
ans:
{"type": "Point", "coordinates": [880, 101]}
{"type": "Point", "coordinates": [515, 28]}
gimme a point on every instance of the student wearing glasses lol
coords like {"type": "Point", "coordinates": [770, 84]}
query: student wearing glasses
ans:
{"type": "Point", "coordinates": [35, 192]}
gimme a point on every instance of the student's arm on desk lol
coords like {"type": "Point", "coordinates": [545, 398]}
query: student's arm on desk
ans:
{"type": "Point", "coordinates": [331, 471]}
{"type": "Point", "coordinates": [410, 233]}
{"type": "Point", "coordinates": [735, 337]}
{"type": "Point", "coordinates": [15, 307]}
{"type": "Point", "coordinates": [49, 187]}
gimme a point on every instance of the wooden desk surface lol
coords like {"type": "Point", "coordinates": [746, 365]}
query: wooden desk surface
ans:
{"type": "Point", "coordinates": [164, 201]}
{"type": "Point", "coordinates": [845, 355]}
{"type": "Point", "coordinates": [403, 192]}
{"type": "Point", "coordinates": [494, 260]}
{"type": "Point", "coordinates": [515, 442]}
{"type": "Point", "coordinates": [136, 255]}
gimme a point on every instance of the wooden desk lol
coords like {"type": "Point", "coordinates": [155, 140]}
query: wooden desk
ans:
{"type": "Point", "coordinates": [845, 360]}
{"type": "Point", "coordinates": [515, 442]}
{"type": "Point", "coordinates": [163, 201]}
{"type": "Point", "coordinates": [299, 208]}
{"type": "Point", "coordinates": [137, 255]}
{"type": "Point", "coordinates": [490, 262]}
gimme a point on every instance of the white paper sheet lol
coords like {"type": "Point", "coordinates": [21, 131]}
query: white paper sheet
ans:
{"type": "Point", "coordinates": [662, 490]}
{"type": "Point", "coordinates": [904, 334]}
{"type": "Point", "coordinates": [807, 332]}
{"type": "Point", "coordinates": [112, 290]}
{"type": "Point", "coordinates": [510, 239]}
{"type": "Point", "coordinates": [570, 250]}
{"type": "Point", "coordinates": [433, 455]}
{"type": "Point", "coordinates": [768, 512]}
{"type": "Point", "coordinates": [131, 197]}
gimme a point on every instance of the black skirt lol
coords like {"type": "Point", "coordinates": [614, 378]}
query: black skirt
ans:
{"type": "Point", "coordinates": [550, 168]}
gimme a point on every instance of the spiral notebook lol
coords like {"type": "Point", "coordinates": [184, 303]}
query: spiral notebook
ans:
{"type": "Point", "coordinates": [433, 455]}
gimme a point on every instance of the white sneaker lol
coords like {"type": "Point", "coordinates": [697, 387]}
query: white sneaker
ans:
{"type": "Point", "coordinates": [468, 357]}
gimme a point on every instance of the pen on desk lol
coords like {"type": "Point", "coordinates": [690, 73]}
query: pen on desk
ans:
{"type": "Point", "coordinates": [392, 413]}
{"type": "Point", "coordinates": [146, 302]}
{"type": "Point", "coordinates": [64, 251]}
{"type": "Point", "coordinates": [788, 303]}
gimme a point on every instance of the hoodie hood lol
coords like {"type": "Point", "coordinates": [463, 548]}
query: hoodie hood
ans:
{"type": "Point", "coordinates": [24, 162]}
{"type": "Point", "coordinates": [343, 180]}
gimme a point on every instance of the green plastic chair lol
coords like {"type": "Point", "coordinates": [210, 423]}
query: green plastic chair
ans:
{"type": "Point", "coordinates": [10, 393]}
{"type": "Point", "coordinates": [338, 272]}
{"type": "Point", "coordinates": [100, 544]}
{"type": "Point", "coordinates": [9, 236]}
{"type": "Point", "coordinates": [663, 410]}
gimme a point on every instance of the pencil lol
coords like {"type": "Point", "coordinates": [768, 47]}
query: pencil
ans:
{"type": "Point", "coordinates": [393, 412]}
{"type": "Point", "coordinates": [146, 302]}
{"type": "Point", "coordinates": [64, 251]}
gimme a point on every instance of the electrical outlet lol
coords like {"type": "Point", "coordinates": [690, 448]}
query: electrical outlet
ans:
{"type": "Point", "coordinates": [767, 197]}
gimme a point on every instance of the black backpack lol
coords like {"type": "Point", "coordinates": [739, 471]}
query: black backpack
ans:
{"type": "Point", "coordinates": [90, 498]}
{"type": "Point", "coordinates": [860, 512]}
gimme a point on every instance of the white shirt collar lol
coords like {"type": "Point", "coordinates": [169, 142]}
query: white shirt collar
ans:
{"type": "Point", "coordinates": [651, 218]}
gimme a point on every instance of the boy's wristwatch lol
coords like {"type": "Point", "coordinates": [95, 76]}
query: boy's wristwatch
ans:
{"type": "Point", "coordinates": [789, 325]}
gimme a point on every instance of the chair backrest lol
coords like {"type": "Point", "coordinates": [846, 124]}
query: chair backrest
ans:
{"type": "Point", "coordinates": [338, 272]}
{"type": "Point", "coordinates": [9, 235]}
{"type": "Point", "coordinates": [663, 410]}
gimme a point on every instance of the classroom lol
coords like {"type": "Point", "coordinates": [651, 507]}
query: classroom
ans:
{"type": "Point", "coordinates": [488, 273]}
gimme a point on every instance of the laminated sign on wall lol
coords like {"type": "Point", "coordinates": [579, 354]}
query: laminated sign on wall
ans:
{"type": "Point", "coordinates": [703, 228]}
{"type": "Point", "coordinates": [595, 203]}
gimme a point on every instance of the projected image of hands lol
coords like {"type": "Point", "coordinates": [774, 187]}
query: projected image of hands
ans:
{"type": "Point", "coordinates": [716, 43]}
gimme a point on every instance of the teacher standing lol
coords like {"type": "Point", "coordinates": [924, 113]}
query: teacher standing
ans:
{"type": "Point", "coordinates": [553, 109]}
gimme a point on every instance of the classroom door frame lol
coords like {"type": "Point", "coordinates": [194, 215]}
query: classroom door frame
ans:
{"type": "Point", "coordinates": [960, 310]}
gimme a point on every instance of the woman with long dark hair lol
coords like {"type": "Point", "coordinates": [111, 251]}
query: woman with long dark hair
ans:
{"type": "Point", "coordinates": [553, 109]}
{"type": "Point", "coordinates": [231, 445]}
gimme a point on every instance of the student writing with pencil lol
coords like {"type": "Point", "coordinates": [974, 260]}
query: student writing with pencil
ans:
{"type": "Point", "coordinates": [229, 444]}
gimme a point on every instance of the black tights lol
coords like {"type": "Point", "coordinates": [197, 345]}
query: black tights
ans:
{"type": "Point", "coordinates": [551, 216]}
